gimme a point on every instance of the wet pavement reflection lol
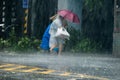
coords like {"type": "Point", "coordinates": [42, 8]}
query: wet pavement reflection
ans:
{"type": "Point", "coordinates": [64, 67]}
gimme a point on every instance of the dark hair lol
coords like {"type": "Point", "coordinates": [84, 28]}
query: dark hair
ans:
{"type": "Point", "coordinates": [61, 17]}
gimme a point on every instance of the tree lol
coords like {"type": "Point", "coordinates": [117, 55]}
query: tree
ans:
{"type": "Point", "coordinates": [98, 22]}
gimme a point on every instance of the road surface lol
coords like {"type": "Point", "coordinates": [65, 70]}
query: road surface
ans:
{"type": "Point", "coordinates": [42, 66]}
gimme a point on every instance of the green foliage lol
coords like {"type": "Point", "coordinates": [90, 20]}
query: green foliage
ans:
{"type": "Point", "coordinates": [21, 44]}
{"type": "Point", "coordinates": [93, 4]}
{"type": "Point", "coordinates": [4, 43]}
{"type": "Point", "coordinates": [26, 44]}
{"type": "Point", "coordinates": [74, 38]}
{"type": "Point", "coordinates": [79, 43]}
{"type": "Point", "coordinates": [12, 38]}
{"type": "Point", "coordinates": [98, 22]}
{"type": "Point", "coordinates": [86, 45]}
{"type": "Point", "coordinates": [1, 43]}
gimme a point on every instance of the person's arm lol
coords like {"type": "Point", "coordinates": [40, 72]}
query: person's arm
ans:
{"type": "Point", "coordinates": [53, 29]}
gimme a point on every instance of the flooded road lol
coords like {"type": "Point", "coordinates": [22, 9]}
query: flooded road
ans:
{"type": "Point", "coordinates": [64, 67]}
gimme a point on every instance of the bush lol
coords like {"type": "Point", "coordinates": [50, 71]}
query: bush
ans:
{"type": "Point", "coordinates": [1, 43]}
{"type": "Point", "coordinates": [4, 43]}
{"type": "Point", "coordinates": [23, 44]}
{"type": "Point", "coordinates": [80, 43]}
{"type": "Point", "coordinates": [74, 38]}
{"type": "Point", "coordinates": [27, 44]}
{"type": "Point", "coordinates": [86, 45]}
{"type": "Point", "coordinates": [14, 43]}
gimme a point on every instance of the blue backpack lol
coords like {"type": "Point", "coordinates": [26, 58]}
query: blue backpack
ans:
{"type": "Point", "coordinates": [45, 40]}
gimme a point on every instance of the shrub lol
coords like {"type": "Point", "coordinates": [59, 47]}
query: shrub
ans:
{"type": "Point", "coordinates": [27, 44]}
{"type": "Point", "coordinates": [74, 38]}
{"type": "Point", "coordinates": [24, 44]}
{"type": "Point", "coordinates": [80, 43]}
{"type": "Point", "coordinates": [86, 45]}
{"type": "Point", "coordinates": [4, 43]}
{"type": "Point", "coordinates": [1, 43]}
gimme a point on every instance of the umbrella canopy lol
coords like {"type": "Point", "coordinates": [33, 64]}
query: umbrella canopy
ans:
{"type": "Point", "coordinates": [69, 15]}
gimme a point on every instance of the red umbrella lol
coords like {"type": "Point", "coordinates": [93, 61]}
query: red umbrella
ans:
{"type": "Point", "coordinates": [69, 15]}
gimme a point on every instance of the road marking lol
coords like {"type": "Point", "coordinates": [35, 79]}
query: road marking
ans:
{"type": "Point", "coordinates": [46, 72]}
{"type": "Point", "coordinates": [28, 70]}
{"type": "Point", "coordinates": [10, 69]}
{"type": "Point", "coordinates": [6, 65]}
{"type": "Point", "coordinates": [37, 70]}
{"type": "Point", "coordinates": [65, 74]}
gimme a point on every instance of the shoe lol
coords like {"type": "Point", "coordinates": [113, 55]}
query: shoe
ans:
{"type": "Point", "coordinates": [56, 50]}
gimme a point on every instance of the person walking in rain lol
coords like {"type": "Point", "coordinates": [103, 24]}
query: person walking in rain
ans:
{"type": "Point", "coordinates": [56, 41]}
{"type": "Point", "coordinates": [46, 36]}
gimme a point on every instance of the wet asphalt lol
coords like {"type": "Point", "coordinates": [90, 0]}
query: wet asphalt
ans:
{"type": "Point", "coordinates": [102, 65]}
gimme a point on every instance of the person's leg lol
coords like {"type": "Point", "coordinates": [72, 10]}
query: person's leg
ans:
{"type": "Point", "coordinates": [52, 43]}
{"type": "Point", "coordinates": [60, 45]}
{"type": "Point", "coordinates": [52, 47]}
{"type": "Point", "coordinates": [60, 49]}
